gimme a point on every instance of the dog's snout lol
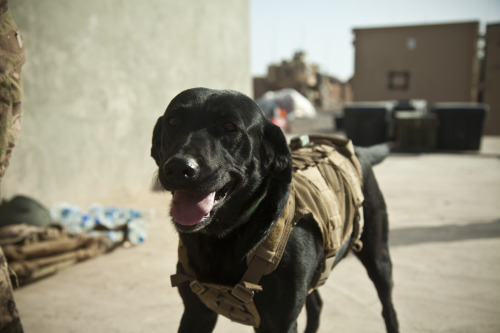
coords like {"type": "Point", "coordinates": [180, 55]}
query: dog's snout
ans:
{"type": "Point", "coordinates": [181, 169]}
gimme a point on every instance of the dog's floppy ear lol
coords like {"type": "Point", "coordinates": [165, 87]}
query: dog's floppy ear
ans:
{"type": "Point", "coordinates": [278, 158]}
{"type": "Point", "coordinates": [156, 141]}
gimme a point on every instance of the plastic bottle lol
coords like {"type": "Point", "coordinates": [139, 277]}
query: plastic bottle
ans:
{"type": "Point", "coordinates": [109, 216]}
{"type": "Point", "coordinates": [137, 230]}
{"type": "Point", "coordinates": [67, 215]}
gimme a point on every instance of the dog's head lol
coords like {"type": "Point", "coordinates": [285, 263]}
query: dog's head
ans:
{"type": "Point", "coordinates": [218, 154]}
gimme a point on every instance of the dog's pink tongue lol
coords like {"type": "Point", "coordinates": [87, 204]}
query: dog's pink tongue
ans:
{"type": "Point", "coordinates": [189, 208]}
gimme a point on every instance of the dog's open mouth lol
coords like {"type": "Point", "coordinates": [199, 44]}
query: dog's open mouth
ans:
{"type": "Point", "coordinates": [189, 209]}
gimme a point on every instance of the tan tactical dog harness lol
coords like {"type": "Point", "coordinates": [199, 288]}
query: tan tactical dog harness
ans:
{"type": "Point", "coordinates": [327, 183]}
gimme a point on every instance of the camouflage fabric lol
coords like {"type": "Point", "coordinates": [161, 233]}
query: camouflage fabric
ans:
{"type": "Point", "coordinates": [9, 317]}
{"type": "Point", "coordinates": [11, 60]}
{"type": "Point", "coordinates": [36, 252]}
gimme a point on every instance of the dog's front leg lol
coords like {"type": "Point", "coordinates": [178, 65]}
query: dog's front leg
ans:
{"type": "Point", "coordinates": [279, 313]}
{"type": "Point", "coordinates": [291, 328]}
{"type": "Point", "coordinates": [196, 317]}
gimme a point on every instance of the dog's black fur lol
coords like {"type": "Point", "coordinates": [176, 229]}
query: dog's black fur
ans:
{"type": "Point", "coordinates": [219, 141]}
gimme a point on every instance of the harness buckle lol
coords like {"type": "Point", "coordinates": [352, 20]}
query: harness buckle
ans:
{"type": "Point", "coordinates": [241, 293]}
{"type": "Point", "coordinates": [197, 287]}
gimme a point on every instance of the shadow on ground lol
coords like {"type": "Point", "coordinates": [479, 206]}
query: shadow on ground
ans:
{"type": "Point", "coordinates": [445, 233]}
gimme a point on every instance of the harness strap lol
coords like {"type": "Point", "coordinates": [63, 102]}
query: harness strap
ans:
{"type": "Point", "coordinates": [330, 165]}
{"type": "Point", "coordinates": [236, 303]}
{"type": "Point", "coordinates": [269, 253]}
{"type": "Point", "coordinates": [355, 184]}
{"type": "Point", "coordinates": [330, 202]}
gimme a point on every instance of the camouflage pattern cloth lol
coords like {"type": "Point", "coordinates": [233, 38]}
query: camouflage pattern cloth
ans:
{"type": "Point", "coordinates": [11, 60]}
{"type": "Point", "coordinates": [9, 317]}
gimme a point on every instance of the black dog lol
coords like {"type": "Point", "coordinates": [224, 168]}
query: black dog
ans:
{"type": "Point", "coordinates": [223, 160]}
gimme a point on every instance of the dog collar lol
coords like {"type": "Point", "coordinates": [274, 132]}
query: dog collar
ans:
{"type": "Point", "coordinates": [245, 216]}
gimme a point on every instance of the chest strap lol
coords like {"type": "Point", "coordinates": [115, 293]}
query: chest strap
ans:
{"type": "Point", "coordinates": [236, 303]}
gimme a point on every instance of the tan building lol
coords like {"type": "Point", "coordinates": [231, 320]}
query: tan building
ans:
{"type": "Point", "coordinates": [324, 91]}
{"type": "Point", "coordinates": [295, 73]}
{"type": "Point", "coordinates": [334, 93]}
{"type": "Point", "coordinates": [491, 84]}
{"type": "Point", "coordinates": [438, 63]}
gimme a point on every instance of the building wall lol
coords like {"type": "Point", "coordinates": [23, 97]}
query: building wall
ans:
{"type": "Point", "coordinates": [260, 86]}
{"type": "Point", "coordinates": [324, 91]}
{"type": "Point", "coordinates": [432, 62]}
{"type": "Point", "coordinates": [295, 73]}
{"type": "Point", "coordinates": [492, 79]}
{"type": "Point", "coordinates": [98, 75]}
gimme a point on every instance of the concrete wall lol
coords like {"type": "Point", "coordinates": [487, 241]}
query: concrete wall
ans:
{"type": "Point", "coordinates": [434, 62]}
{"type": "Point", "coordinates": [98, 75]}
{"type": "Point", "coordinates": [492, 79]}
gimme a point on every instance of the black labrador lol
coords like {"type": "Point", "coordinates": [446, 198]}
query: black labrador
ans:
{"type": "Point", "coordinates": [218, 155]}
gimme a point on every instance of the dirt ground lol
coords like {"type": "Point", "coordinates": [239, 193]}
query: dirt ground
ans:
{"type": "Point", "coordinates": [445, 246]}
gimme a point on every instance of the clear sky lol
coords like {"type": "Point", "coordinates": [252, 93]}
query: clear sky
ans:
{"type": "Point", "coordinates": [323, 28]}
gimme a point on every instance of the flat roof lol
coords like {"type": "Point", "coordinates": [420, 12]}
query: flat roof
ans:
{"type": "Point", "coordinates": [411, 26]}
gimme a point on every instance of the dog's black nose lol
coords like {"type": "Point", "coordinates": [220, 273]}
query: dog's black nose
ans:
{"type": "Point", "coordinates": [181, 169]}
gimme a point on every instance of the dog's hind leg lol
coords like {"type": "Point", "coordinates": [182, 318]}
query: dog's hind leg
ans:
{"type": "Point", "coordinates": [375, 253]}
{"type": "Point", "coordinates": [380, 270]}
{"type": "Point", "coordinates": [313, 310]}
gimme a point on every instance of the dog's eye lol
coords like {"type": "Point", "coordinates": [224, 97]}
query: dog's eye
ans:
{"type": "Point", "coordinates": [173, 121]}
{"type": "Point", "coordinates": [230, 127]}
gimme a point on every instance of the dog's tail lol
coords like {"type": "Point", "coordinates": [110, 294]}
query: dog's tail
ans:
{"type": "Point", "coordinates": [373, 155]}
